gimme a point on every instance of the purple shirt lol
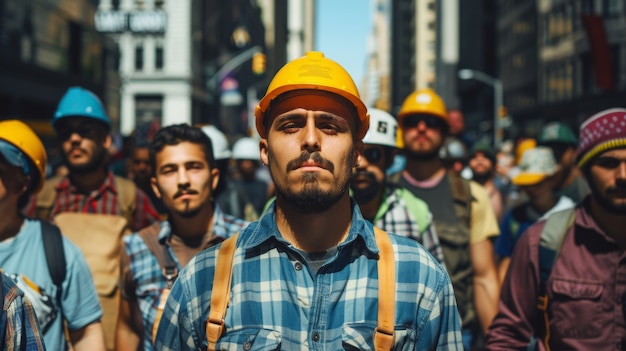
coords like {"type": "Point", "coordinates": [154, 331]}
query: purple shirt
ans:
{"type": "Point", "coordinates": [586, 290]}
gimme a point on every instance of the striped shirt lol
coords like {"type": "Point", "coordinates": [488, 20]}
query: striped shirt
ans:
{"type": "Point", "coordinates": [404, 214]}
{"type": "Point", "coordinates": [144, 279]}
{"type": "Point", "coordinates": [18, 322]}
{"type": "Point", "coordinates": [277, 303]}
{"type": "Point", "coordinates": [102, 201]}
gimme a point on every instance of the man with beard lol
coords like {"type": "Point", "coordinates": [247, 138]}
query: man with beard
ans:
{"type": "Point", "coordinates": [93, 207]}
{"type": "Point", "coordinates": [185, 177]}
{"type": "Point", "coordinates": [465, 221]}
{"type": "Point", "coordinates": [385, 204]}
{"type": "Point", "coordinates": [82, 128]}
{"type": "Point", "coordinates": [482, 162]}
{"type": "Point", "coordinates": [571, 297]}
{"type": "Point", "coordinates": [306, 275]}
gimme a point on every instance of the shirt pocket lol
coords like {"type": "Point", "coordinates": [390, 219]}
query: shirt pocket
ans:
{"type": "Point", "coordinates": [576, 308]}
{"type": "Point", "coordinates": [250, 339]}
{"type": "Point", "coordinates": [360, 336]}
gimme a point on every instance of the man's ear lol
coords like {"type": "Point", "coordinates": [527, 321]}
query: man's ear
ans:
{"type": "Point", "coordinates": [108, 141]}
{"type": "Point", "coordinates": [155, 187]}
{"type": "Point", "coordinates": [264, 152]}
{"type": "Point", "coordinates": [391, 156]}
{"type": "Point", "coordinates": [215, 178]}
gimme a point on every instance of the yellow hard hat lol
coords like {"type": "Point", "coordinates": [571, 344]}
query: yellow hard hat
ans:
{"type": "Point", "coordinates": [423, 101]}
{"type": "Point", "coordinates": [316, 72]}
{"type": "Point", "coordinates": [20, 135]}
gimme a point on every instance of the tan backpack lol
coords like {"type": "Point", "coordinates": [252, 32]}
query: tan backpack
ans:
{"type": "Point", "coordinates": [99, 237]}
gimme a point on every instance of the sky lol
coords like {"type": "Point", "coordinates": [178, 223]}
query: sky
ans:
{"type": "Point", "coordinates": [341, 31]}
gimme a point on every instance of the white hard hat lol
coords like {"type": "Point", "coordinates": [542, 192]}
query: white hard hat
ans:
{"type": "Point", "coordinates": [246, 149]}
{"type": "Point", "coordinates": [219, 142]}
{"type": "Point", "coordinates": [383, 128]}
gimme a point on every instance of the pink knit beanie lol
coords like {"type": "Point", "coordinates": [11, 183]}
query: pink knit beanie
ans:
{"type": "Point", "coordinates": [606, 130]}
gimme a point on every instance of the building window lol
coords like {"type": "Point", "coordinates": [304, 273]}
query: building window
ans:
{"type": "Point", "coordinates": [158, 55]}
{"type": "Point", "coordinates": [148, 108]}
{"type": "Point", "coordinates": [115, 4]}
{"type": "Point", "coordinates": [159, 4]}
{"type": "Point", "coordinates": [139, 57]}
{"type": "Point", "coordinates": [612, 8]}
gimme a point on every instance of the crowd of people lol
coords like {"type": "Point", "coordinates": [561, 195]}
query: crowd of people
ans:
{"type": "Point", "coordinates": [337, 227]}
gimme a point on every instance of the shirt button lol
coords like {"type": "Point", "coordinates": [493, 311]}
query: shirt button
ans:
{"type": "Point", "coordinates": [316, 337]}
{"type": "Point", "coordinates": [298, 266]}
{"type": "Point", "coordinates": [247, 345]}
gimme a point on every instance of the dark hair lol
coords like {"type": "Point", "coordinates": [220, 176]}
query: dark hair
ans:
{"type": "Point", "coordinates": [176, 134]}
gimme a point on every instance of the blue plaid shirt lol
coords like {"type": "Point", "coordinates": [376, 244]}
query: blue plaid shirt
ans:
{"type": "Point", "coordinates": [18, 323]}
{"type": "Point", "coordinates": [276, 303]}
{"type": "Point", "coordinates": [147, 281]}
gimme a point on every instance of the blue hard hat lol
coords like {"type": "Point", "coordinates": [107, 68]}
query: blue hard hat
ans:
{"type": "Point", "coordinates": [80, 102]}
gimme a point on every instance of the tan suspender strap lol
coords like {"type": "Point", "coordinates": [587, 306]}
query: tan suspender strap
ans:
{"type": "Point", "coordinates": [221, 284]}
{"type": "Point", "coordinates": [383, 338]}
{"type": "Point", "coordinates": [384, 335]}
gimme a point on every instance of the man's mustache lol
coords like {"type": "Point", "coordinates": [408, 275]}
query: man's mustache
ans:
{"type": "Point", "coordinates": [182, 192]}
{"type": "Point", "coordinates": [315, 156]}
{"type": "Point", "coordinates": [619, 189]}
{"type": "Point", "coordinates": [364, 174]}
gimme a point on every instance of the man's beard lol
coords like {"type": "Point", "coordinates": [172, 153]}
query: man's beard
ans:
{"type": "Point", "coordinates": [482, 178]}
{"type": "Point", "coordinates": [604, 201]}
{"type": "Point", "coordinates": [92, 165]}
{"type": "Point", "coordinates": [421, 156]}
{"type": "Point", "coordinates": [365, 195]}
{"type": "Point", "coordinates": [312, 199]}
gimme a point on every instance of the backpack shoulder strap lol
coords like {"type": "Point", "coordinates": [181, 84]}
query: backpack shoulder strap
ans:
{"type": "Point", "coordinates": [46, 198]}
{"type": "Point", "coordinates": [384, 335]}
{"type": "Point", "coordinates": [221, 290]}
{"type": "Point", "coordinates": [150, 236]}
{"type": "Point", "coordinates": [55, 254]}
{"type": "Point", "coordinates": [126, 196]}
{"type": "Point", "coordinates": [550, 242]}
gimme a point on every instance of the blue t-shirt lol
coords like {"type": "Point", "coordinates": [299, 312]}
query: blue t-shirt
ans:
{"type": "Point", "coordinates": [24, 254]}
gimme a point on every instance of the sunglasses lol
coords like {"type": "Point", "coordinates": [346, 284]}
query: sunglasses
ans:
{"type": "Point", "coordinates": [85, 131]}
{"type": "Point", "coordinates": [373, 154]}
{"type": "Point", "coordinates": [430, 121]}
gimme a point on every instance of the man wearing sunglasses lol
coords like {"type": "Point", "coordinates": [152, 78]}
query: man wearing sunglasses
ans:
{"type": "Point", "coordinates": [581, 285]}
{"type": "Point", "coordinates": [463, 216]}
{"type": "Point", "coordinates": [93, 207]}
{"type": "Point", "coordinates": [386, 204]}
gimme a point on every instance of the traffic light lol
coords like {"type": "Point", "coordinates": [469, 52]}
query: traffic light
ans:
{"type": "Point", "coordinates": [258, 63]}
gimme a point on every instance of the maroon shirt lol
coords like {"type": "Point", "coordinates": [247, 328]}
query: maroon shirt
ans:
{"type": "Point", "coordinates": [586, 290]}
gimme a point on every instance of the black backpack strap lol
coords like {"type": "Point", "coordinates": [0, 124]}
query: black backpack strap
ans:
{"type": "Point", "coordinates": [55, 255]}
{"type": "Point", "coordinates": [169, 268]}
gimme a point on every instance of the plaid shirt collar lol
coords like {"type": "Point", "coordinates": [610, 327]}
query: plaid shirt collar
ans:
{"type": "Point", "coordinates": [108, 185]}
{"type": "Point", "coordinates": [265, 234]}
{"type": "Point", "coordinates": [220, 231]}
